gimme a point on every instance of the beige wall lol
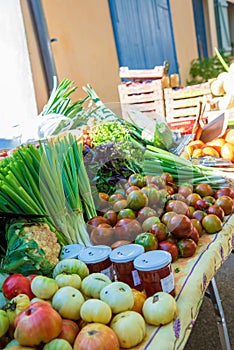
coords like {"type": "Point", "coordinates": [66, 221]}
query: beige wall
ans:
{"type": "Point", "coordinates": [185, 35]}
{"type": "Point", "coordinates": [85, 51]}
{"type": "Point", "coordinates": [34, 56]}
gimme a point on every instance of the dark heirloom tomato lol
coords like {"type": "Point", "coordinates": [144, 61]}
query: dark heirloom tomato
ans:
{"type": "Point", "coordinates": [137, 180]}
{"type": "Point", "coordinates": [180, 226]}
{"type": "Point", "coordinates": [226, 191]}
{"type": "Point", "coordinates": [187, 247]}
{"type": "Point", "coordinates": [127, 229]}
{"type": "Point", "coordinates": [103, 234]}
{"type": "Point", "coordinates": [217, 210]}
{"type": "Point", "coordinates": [204, 190]}
{"type": "Point", "coordinates": [147, 240]}
{"type": "Point", "coordinates": [201, 204]}
{"type": "Point", "coordinates": [95, 221]}
{"type": "Point", "coordinates": [145, 213]}
{"type": "Point", "coordinates": [226, 203]}
{"type": "Point", "coordinates": [177, 206]}
{"type": "Point", "coordinates": [137, 200]}
{"type": "Point", "coordinates": [159, 230]}
{"type": "Point", "coordinates": [170, 247]}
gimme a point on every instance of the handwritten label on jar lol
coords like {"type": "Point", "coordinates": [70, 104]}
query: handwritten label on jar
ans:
{"type": "Point", "coordinates": [167, 283]}
{"type": "Point", "coordinates": [136, 278]}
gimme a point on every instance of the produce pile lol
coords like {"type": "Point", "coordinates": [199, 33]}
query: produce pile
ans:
{"type": "Point", "coordinates": [221, 147]}
{"type": "Point", "coordinates": [107, 185]}
{"type": "Point", "coordinates": [75, 309]}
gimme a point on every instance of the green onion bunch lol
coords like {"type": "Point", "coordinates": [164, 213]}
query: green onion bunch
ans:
{"type": "Point", "coordinates": [51, 181]}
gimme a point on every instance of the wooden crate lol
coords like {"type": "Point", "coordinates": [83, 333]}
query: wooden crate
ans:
{"type": "Point", "coordinates": [141, 74]}
{"type": "Point", "coordinates": [184, 102]}
{"type": "Point", "coordinates": [146, 97]}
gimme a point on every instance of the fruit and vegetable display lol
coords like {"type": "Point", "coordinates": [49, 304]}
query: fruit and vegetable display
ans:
{"type": "Point", "coordinates": [107, 186]}
{"type": "Point", "coordinates": [220, 147]}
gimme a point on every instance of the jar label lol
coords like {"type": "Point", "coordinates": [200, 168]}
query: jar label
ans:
{"type": "Point", "coordinates": [168, 283]}
{"type": "Point", "coordinates": [136, 278]}
{"type": "Point", "coordinates": [109, 272]}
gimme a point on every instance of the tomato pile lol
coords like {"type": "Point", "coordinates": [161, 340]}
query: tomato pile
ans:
{"type": "Point", "coordinates": [75, 309]}
{"type": "Point", "coordinates": [157, 213]}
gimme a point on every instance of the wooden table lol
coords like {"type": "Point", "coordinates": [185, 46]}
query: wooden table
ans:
{"type": "Point", "coordinates": [194, 277]}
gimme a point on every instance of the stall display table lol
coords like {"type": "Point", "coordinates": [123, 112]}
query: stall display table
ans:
{"type": "Point", "coordinates": [194, 277]}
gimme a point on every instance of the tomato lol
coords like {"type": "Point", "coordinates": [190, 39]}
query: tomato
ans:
{"type": "Point", "coordinates": [217, 210]}
{"type": "Point", "coordinates": [4, 323]}
{"type": "Point", "coordinates": [212, 223]}
{"type": "Point", "coordinates": [44, 287]}
{"type": "Point", "coordinates": [170, 247]}
{"type": "Point", "coordinates": [111, 215]}
{"type": "Point", "coordinates": [152, 194]}
{"type": "Point", "coordinates": [185, 190]}
{"type": "Point", "coordinates": [201, 204]}
{"type": "Point", "coordinates": [204, 190]}
{"type": "Point", "coordinates": [180, 226]}
{"type": "Point", "coordinates": [17, 284]}
{"type": "Point", "coordinates": [147, 240]}
{"type": "Point", "coordinates": [58, 344]}
{"type": "Point", "coordinates": [127, 229]}
{"type": "Point", "coordinates": [139, 299]}
{"type": "Point", "coordinates": [103, 235]}
{"type": "Point", "coordinates": [226, 191]}
{"type": "Point", "coordinates": [177, 206]}
{"type": "Point", "coordinates": [96, 336]}
{"type": "Point", "coordinates": [137, 200]}
{"type": "Point", "coordinates": [126, 213]}
{"type": "Point", "coordinates": [72, 280]}
{"type": "Point", "coordinates": [69, 330]}
{"type": "Point", "coordinates": [160, 309]}
{"type": "Point", "coordinates": [118, 295]}
{"type": "Point", "coordinates": [159, 230]}
{"type": "Point", "coordinates": [92, 284]}
{"type": "Point", "coordinates": [96, 310]}
{"type": "Point", "coordinates": [71, 266]}
{"type": "Point", "coordinates": [147, 223]}
{"type": "Point", "coordinates": [226, 203]}
{"type": "Point", "coordinates": [137, 180]}
{"type": "Point", "coordinates": [130, 328]}
{"type": "Point", "coordinates": [67, 301]}
{"type": "Point", "coordinates": [145, 213]}
{"type": "Point", "coordinates": [37, 323]}
{"type": "Point", "coordinates": [187, 247]}
{"type": "Point", "coordinates": [192, 198]}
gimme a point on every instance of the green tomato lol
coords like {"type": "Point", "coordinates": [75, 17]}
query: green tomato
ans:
{"type": "Point", "coordinates": [58, 344]}
{"type": "Point", "coordinates": [67, 302]}
{"type": "Point", "coordinates": [92, 285]}
{"type": "Point", "coordinates": [72, 280]}
{"type": "Point", "coordinates": [130, 328]}
{"type": "Point", "coordinates": [4, 323]}
{"type": "Point", "coordinates": [44, 287]}
{"type": "Point", "coordinates": [96, 310]}
{"type": "Point", "coordinates": [118, 295]}
{"type": "Point", "coordinates": [70, 266]}
{"type": "Point", "coordinates": [147, 240]}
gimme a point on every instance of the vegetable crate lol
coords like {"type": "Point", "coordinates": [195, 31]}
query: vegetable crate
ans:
{"type": "Point", "coordinates": [183, 102]}
{"type": "Point", "coordinates": [146, 97]}
{"type": "Point", "coordinates": [141, 74]}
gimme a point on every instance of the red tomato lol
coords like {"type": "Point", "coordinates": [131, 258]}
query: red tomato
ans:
{"type": "Point", "coordinates": [96, 336]}
{"type": "Point", "coordinates": [37, 323]}
{"type": "Point", "coordinates": [170, 247]}
{"type": "Point", "coordinates": [17, 284]}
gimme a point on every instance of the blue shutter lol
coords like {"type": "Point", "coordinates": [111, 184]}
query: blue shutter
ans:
{"type": "Point", "coordinates": [200, 28]}
{"type": "Point", "coordinates": [143, 33]}
{"type": "Point", "coordinates": [221, 14]}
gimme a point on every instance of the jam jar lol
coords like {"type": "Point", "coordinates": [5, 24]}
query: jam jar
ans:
{"type": "Point", "coordinates": [122, 259]}
{"type": "Point", "coordinates": [154, 268]}
{"type": "Point", "coordinates": [97, 259]}
{"type": "Point", "coordinates": [71, 251]}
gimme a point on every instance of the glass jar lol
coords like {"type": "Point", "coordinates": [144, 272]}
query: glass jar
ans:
{"type": "Point", "coordinates": [71, 251]}
{"type": "Point", "coordinates": [122, 259]}
{"type": "Point", "coordinates": [154, 268]}
{"type": "Point", "coordinates": [97, 259]}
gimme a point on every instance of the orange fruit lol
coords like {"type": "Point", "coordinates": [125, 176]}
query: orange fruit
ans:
{"type": "Point", "coordinates": [196, 144]}
{"type": "Point", "coordinates": [210, 151]}
{"type": "Point", "coordinates": [216, 143]}
{"type": "Point", "coordinates": [198, 153]}
{"type": "Point", "coordinates": [227, 151]}
{"type": "Point", "coordinates": [139, 299]}
{"type": "Point", "coordinates": [230, 136]}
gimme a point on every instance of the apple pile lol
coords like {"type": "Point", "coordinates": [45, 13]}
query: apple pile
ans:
{"type": "Point", "coordinates": [221, 147]}
{"type": "Point", "coordinates": [75, 309]}
{"type": "Point", "coordinates": [157, 213]}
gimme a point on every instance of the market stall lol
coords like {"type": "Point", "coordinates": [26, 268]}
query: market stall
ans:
{"type": "Point", "coordinates": [81, 157]}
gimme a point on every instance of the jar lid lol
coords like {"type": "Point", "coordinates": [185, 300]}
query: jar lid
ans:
{"type": "Point", "coordinates": [71, 251]}
{"type": "Point", "coordinates": [152, 260]}
{"type": "Point", "coordinates": [94, 254]}
{"type": "Point", "coordinates": [127, 252]}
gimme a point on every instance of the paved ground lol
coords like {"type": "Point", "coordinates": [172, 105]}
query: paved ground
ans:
{"type": "Point", "coordinates": [204, 335]}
